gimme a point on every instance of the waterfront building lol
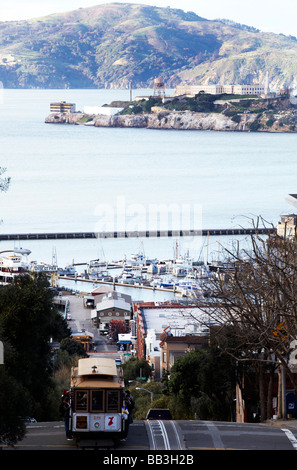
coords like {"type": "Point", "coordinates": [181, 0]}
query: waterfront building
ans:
{"type": "Point", "coordinates": [111, 306]}
{"type": "Point", "coordinates": [288, 223]}
{"type": "Point", "coordinates": [62, 107]}
{"type": "Point", "coordinates": [287, 226]}
{"type": "Point", "coordinates": [90, 300]}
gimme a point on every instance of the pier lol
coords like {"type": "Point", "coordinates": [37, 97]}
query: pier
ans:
{"type": "Point", "coordinates": [135, 234]}
{"type": "Point", "coordinates": [137, 285]}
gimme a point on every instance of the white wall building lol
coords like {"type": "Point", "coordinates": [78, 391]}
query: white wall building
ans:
{"type": "Point", "coordinates": [105, 110]}
{"type": "Point", "coordinates": [192, 90]}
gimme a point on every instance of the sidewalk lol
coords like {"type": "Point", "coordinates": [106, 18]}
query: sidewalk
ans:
{"type": "Point", "coordinates": [282, 423]}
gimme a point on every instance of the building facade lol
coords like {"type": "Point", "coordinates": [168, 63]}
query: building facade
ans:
{"type": "Point", "coordinates": [111, 306]}
{"type": "Point", "coordinates": [62, 107]}
{"type": "Point", "coordinates": [85, 338]}
{"type": "Point", "coordinates": [287, 226]}
{"type": "Point", "coordinates": [172, 347]}
{"type": "Point", "coordinates": [192, 90]}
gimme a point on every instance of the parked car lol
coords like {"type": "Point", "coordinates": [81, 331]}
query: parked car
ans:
{"type": "Point", "coordinates": [30, 420]}
{"type": "Point", "coordinates": [158, 413]}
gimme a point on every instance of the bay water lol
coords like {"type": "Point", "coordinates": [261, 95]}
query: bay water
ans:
{"type": "Point", "coordinates": [70, 178]}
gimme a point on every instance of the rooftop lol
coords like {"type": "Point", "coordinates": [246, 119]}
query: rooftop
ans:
{"type": "Point", "coordinates": [114, 299]}
{"type": "Point", "coordinates": [179, 320]}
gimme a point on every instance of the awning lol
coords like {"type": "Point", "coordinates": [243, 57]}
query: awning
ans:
{"type": "Point", "coordinates": [124, 338]}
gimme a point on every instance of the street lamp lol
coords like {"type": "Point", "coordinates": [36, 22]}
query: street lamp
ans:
{"type": "Point", "coordinates": [148, 391]}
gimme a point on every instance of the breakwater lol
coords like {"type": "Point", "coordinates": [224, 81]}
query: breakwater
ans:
{"type": "Point", "coordinates": [135, 234]}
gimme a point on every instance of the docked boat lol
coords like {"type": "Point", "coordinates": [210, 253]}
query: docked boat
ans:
{"type": "Point", "coordinates": [126, 278]}
{"type": "Point", "coordinates": [152, 268]}
{"type": "Point", "coordinates": [96, 263]}
{"type": "Point", "coordinates": [67, 271]}
{"type": "Point", "coordinates": [179, 271]}
{"type": "Point", "coordinates": [11, 266]}
{"type": "Point", "coordinates": [99, 275]}
{"type": "Point", "coordinates": [136, 260]}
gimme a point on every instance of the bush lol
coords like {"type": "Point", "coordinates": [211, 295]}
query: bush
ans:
{"type": "Point", "coordinates": [270, 122]}
{"type": "Point", "coordinates": [236, 118]}
{"type": "Point", "coordinates": [254, 126]}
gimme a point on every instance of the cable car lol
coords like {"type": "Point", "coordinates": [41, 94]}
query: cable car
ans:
{"type": "Point", "coordinates": [98, 417]}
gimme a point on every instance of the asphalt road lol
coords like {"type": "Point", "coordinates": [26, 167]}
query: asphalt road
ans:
{"type": "Point", "coordinates": [186, 437]}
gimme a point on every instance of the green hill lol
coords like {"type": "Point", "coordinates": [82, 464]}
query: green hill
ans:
{"type": "Point", "coordinates": [109, 46]}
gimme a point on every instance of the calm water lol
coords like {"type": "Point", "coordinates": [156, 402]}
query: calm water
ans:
{"type": "Point", "coordinates": [78, 178]}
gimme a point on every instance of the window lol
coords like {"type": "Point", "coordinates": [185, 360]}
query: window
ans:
{"type": "Point", "coordinates": [97, 400]}
{"type": "Point", "coordinates": [113, 400]}
{"type": "Point", "coordinates": [81, 422]}
{"type": "Point", "coordinates": [81, 400]}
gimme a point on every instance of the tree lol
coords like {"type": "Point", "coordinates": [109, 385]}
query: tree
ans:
{"type": "Point", "coordinates": [73, 347]}
{"type": "Point", "coordinates": [12, 401]}
{"type": "Point", "coordinates": [136, 368]}
{"type": "Point", "coordinates": [28, 320]}
{"type": "Point", "coordinates": [258, 303]}
{"type": "Point", "coordinates": [202, 383]}
{"type": "Point", "coordinates": [116, 327]}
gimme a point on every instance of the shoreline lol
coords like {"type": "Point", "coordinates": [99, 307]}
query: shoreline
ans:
{"type": "Point", "coordinates": [177, 120]}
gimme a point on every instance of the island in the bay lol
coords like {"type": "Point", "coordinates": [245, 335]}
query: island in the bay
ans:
{"type": "Point", "coordinates": [231, 108]}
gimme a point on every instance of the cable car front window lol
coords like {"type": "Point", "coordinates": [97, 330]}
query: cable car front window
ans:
{"type": "Point", "coordinates": [112, 400]}
{"type": "Point", "coordinates": [97, 400]}
{"type": "Point", "coordinates": [81, 400]}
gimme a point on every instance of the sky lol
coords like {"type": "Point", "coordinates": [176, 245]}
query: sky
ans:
{"type": "Point", "coordinates": [267, 15]}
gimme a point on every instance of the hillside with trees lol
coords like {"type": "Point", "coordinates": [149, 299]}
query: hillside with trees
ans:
{"type": "Point", "coordinates": [112, 45]}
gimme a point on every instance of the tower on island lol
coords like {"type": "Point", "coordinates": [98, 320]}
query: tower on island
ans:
{"type": "Point", "coordinates": [159, 87]}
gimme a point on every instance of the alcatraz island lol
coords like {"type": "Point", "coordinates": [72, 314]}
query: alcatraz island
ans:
{"type": "Point", "coordinates": [201, 107]}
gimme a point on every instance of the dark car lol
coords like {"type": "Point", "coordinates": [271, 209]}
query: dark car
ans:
{"type": "Point", "coordinates": [27, 419]}
{"type": "Point", "coordinates": [158, 413]}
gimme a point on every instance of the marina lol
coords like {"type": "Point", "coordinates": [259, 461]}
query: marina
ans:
{"type": "Point", "coordinates": [180, 276]}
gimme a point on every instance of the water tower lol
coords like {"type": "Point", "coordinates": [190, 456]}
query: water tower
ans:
{"type": "Point", "coordinates": [159, 87]}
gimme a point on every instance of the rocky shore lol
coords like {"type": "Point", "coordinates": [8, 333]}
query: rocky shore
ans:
{"type": "Point", "coordinates": [183, 120]}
